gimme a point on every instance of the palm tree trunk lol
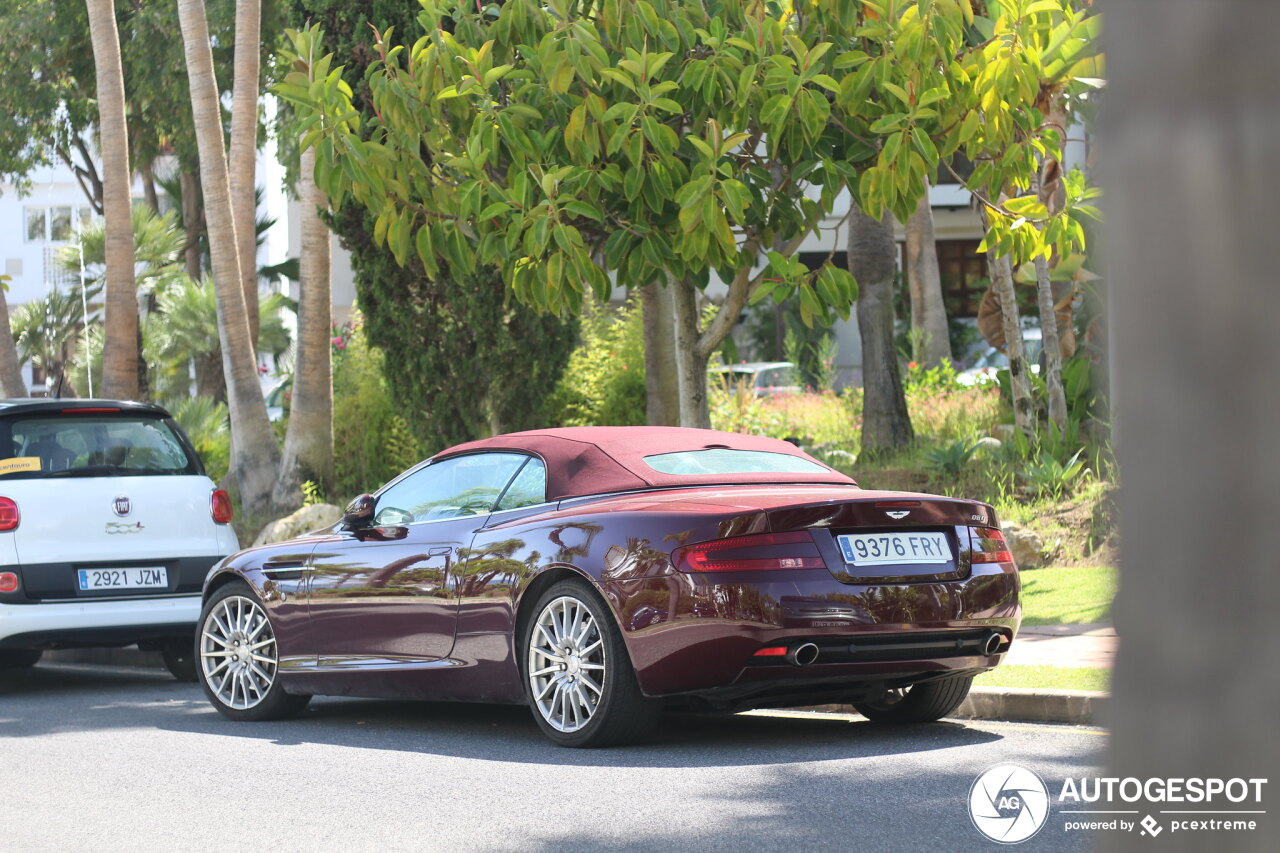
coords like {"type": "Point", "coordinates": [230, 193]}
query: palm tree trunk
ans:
{"type": "Point", "coordinates": [192, 219]}
{"type": "Point", "coordinates": [255, 457]}
{"type": "Point", "coordinates": [11, 382]}
{"type": "Point", "coordinates": [244, 151]}
{"type": "Point", "coordinates": [662, 403]}
{"type": "Point", "coordinates": [120, 340]}
{"type": "Point", "coordinates": [308, 446]}
{"type": "Point", "coordinates": [886, 425]}
{"type": "Point", "coordinates": [928, 311]}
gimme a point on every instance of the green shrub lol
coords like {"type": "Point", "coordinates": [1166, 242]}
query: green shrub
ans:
{"type": "Point", "coordinates": [204, 420]}
{"type": "Point", "coordinates": [373, 442]}
{"type": "Point", "coordinates": [604, 382]}
{"type": "Point", "coordinates": [951, 458]}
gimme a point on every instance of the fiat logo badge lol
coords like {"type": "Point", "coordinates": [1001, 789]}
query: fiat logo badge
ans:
{"type": "Point", "coordinates": [121, 506]}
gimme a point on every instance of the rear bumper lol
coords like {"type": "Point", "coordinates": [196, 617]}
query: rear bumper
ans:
{"type": "Point", "coordinates": [97, 623]}
{"type": "Point", "coordinates": [699, 635]}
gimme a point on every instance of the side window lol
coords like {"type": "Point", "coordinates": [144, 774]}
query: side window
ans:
{"type": "Point", "coordinates": [451, 488]}
{"type": "Point", "coordinates": [528, 488]}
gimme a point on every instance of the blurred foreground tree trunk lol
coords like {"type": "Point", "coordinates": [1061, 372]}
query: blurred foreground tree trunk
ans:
{"type": "Point", "coordinates": [1191, 186]}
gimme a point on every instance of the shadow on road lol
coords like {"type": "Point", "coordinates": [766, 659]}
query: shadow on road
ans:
{"type": "Point", "coordinates": [52, 699]}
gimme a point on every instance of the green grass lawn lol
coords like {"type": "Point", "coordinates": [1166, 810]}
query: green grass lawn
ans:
{"type": "Point", "coordinates": [1069, 595]}
{"type": "Point", "coordinates": [1046, 677]}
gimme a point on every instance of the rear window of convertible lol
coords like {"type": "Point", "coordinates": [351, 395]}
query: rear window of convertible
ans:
{"type": "Point", "coordinates": [723, 460]}
{"type": "Point", "coordinates": [91, 445]}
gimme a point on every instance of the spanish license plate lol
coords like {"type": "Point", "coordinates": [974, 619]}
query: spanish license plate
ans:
{"type": "Point", "coordinates": [874, 549]}
{"type": "Point", "coordinates": [93, 580]}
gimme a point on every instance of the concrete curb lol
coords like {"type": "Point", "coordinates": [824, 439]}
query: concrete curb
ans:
{"type": "Point", "coordinates": [1032, 705]}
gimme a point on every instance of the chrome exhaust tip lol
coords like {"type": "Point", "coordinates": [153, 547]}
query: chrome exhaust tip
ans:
{"type": "Point", "coordinates": [993, 644]}
{"type": "Point", "coordinates": [802, 655]}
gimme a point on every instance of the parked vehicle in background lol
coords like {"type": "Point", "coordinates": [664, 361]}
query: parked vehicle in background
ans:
{"type": "Point", "coordinates": [764, 377]}
{"type": "Point", "coordinates": [108, 526]}
{"type": "Point", "coordinates": [989, 361]}
{"type": "Point", "coordinates": [602, 574]}
{"type": "Point", "coordinates": [277, 397]}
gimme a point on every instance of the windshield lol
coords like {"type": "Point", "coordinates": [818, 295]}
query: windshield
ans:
{"type": "Point", "coordinates": [70, 445]}
{"type": "Point", "coordinates": [727, 461]}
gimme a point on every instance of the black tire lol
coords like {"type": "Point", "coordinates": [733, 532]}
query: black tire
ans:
{"type": "Point", "coordinates": [919, 703]}
{"type": "Point", "coordinates": [620, 712]}
{"type": "Point", "coordinates": [215, 658]}
{"type": "Point", "coordinates": [19, 658]}
{"type": "Point", "coordinates": [180, 659]}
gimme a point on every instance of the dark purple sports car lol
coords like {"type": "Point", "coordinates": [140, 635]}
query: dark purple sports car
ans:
{"type": "Point", "coordinates": [600, 574]}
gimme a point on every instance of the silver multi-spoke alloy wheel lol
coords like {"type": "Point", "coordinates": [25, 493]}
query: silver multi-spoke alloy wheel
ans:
{"type": "Point", "coordinates": [238, 652]}
{"type": "Point", "coordinates": [567, 664]}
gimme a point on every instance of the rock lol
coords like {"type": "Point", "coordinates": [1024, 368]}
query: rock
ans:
{"type": "Point", "coordinates": [303, 521]}
{"type": "Point", "coordinates": [1004, 431]}
{"type": "Point", "coordinates": [1025, 544]}
{"type": "Point", "coordinates": [989, 443]}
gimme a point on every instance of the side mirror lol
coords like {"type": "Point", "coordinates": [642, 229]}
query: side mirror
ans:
{"type": "Point", "coordinates": [359, 513]}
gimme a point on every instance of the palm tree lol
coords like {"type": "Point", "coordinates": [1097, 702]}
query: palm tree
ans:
{"type": "Point", "coordinates": [255, 462]}
{"type": "Point", "coordinates": [48, 332]}
{"type": "Point", "coordinates": [928, 312]}
{"type": "Point", "coordinates": [308, 446]}
{"type": "Point", "coordinates": [120, 357]}
{"type": "Point", "coordinates": [183, 331]}
{"type": "Point", "coordinates": [244, 149]}
{"type": "Point", "coordinates": [11, 383]}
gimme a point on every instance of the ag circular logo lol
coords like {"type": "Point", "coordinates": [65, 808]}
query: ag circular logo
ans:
{"type": "Point", "coordinates": [1008, 803]}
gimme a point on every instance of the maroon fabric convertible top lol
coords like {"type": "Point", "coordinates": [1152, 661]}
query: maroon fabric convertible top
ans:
{"type": "Point", "coordinates": [597, 460]}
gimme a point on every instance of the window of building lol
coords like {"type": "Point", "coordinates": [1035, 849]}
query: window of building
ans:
{"type": "Point", "coordinates": [56, 223]}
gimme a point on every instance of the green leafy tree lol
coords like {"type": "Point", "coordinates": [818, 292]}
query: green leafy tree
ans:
{"type": "Point", "coordinates": [656, 142]}
{"type": "Point", "coordinates": [462, 359]}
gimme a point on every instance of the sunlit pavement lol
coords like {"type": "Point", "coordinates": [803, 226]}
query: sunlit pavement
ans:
{"type": "Point", "coordinates": [109, 758]}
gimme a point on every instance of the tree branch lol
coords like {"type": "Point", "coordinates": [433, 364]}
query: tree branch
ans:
{"type": "Point", "coordinates": [740, 290]}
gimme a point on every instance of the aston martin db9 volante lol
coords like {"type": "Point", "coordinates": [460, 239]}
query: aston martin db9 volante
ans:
{"type": "Point", "coordinates": [600, 574]}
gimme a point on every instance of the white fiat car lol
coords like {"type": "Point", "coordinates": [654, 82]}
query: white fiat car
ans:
{"type": "Point", "coordinates": [108, 526]}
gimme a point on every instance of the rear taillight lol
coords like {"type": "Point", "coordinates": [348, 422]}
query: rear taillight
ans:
{"type": "Point", "coordinates": [9, 516]}
{"type": "Point", "coordinates": [220, 507]}
{"type": "Point", "coordinates": [987, 545]}
{"type": "Point", "coordinates": [763, 551]}
{"type": "Point", "coordinates": [8, 582]}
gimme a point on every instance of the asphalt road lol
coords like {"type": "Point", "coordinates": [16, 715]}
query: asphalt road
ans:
{"type": "Point", "coordinates": [99, 758]}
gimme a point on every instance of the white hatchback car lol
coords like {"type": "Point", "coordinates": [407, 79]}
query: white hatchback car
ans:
{"type": "Point", "coordinates": [108, 526]}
